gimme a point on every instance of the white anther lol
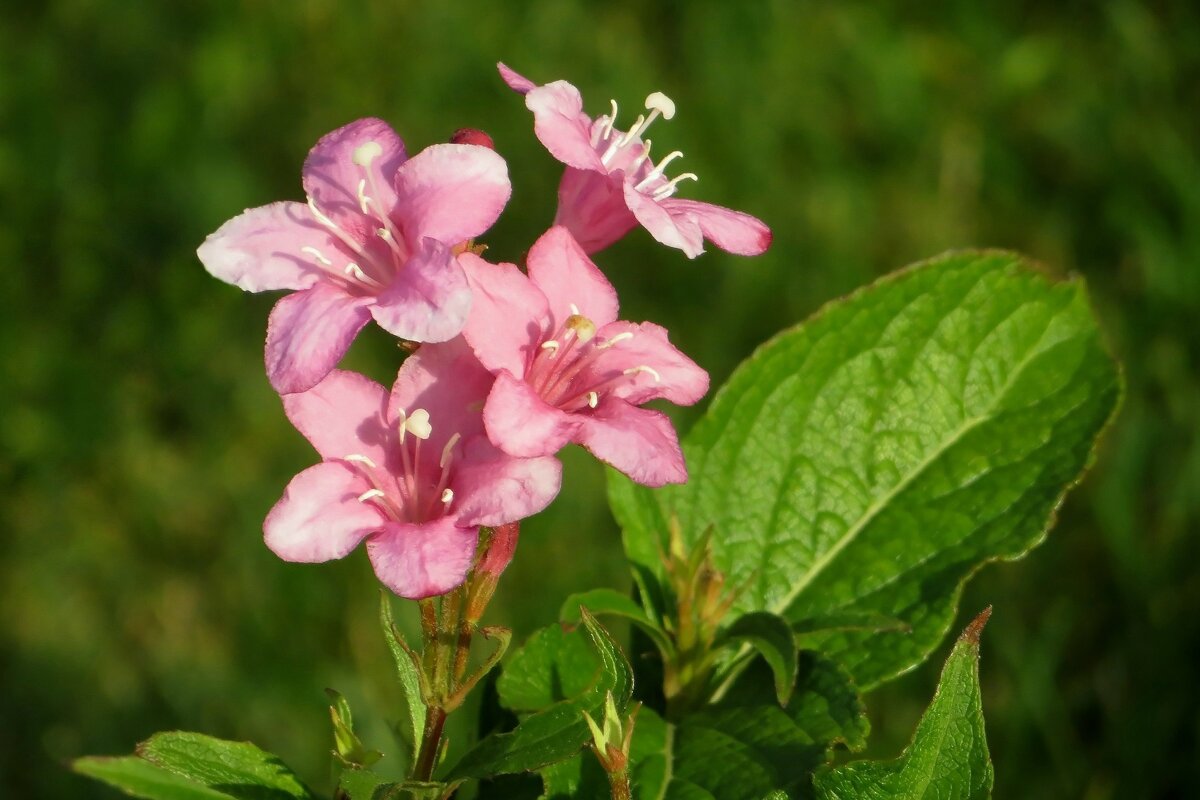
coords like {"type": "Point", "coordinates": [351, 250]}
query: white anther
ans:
{"type": "Point", "coordinates": [612, 120]}
{"type": "Point", "coordinates": [657, 101]}
{"type": "Point", "coordinates": [614, 341]}
{"type": "Point", "coordinates": [637, 162]}
{"type": "Point", "coordinates": [446, 451]}
{"type": "Point", "coordinates": [551, 345]}
{"type": "Point", "coordinates": [574, 308]}
{"type": "Point", "coordinates": [384, 234]}
{"type": "Point", "coordinates": [360, 459]}
{"type": "Point", "coordinates": [315, 253]}
{"type": "Point", "coordinates": [668, 189]}
{"type": "Point", "coordinates": [321, 218]}
{"type": "Point", "coordinates": [638, 125]}
{"type": "Point", "coordinates": [367, 152]}
{"type": "Point", "coordinates": [370, 494]}
{"type": "Point", "coordinates": [643, 368]}
{"type": "Point", "coordinates": [447, 496]}
{"type": "Point", "coordinates": [417, 423]}
{"type": "Point", "coordinates": [593, 399]}
{"type": "Point", "coordinates": [658, 169]}
{"type": "Point", "coordinates": [356, 271]}
{"type": "Point", "coordinates": [363, 200]}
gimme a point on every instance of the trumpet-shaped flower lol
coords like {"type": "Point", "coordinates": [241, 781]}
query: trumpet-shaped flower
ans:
{"type": "Point", "coordinates": [612, 183]}
{"type": "Point", "coordinates": [377, 238]}
{"type": "Point", "coordinates": [412, 473]}
{"type": "Point", "coordinates": [568, 371]}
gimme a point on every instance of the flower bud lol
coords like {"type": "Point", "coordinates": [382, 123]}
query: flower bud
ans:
{"type": "Point", "coordinates": [472, 136]}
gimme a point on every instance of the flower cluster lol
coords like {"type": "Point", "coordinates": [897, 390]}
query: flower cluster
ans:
{"type": "Point", "coordinates": [511, 364]}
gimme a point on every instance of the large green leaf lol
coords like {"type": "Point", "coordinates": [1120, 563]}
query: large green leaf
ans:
{"type": "Point", "coordinates": [412, 723]}
{"type": "Point", "coordinates": [739, 749]}
{"type": "Point", "coordinates": [948, 756]}
{"type": "Point", "coordinates": [557, 676]}
{"type": "Point", "coordinates": [187, 766]}
{"type": "Point", "coordinates": [868, 461]}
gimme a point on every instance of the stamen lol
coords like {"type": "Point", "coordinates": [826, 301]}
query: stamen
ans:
{"type": "Point", "coordinates": [637, 162]}
{"type": "Point", "coordinates": [614, 341]}
{"type": "Point", "coordinates": [401, 419]}
{"type": "Point", "coordinates": [321, 218]}
{"type": "Point", "coordinates": [367, 152]}
{"type": "Point", "coordinates": [612, 119]}
{"type": "Point", "coordinates": [385, 234]}
{"type": "Point", "coordinates": [552, 345]}
{"type": "Point", "coordinates": [658, 169]}
{"type": "Point", "coordinates": [447, 496]}
{"type": "Point", "coordinates": [417, 423]}
{"type": "Point", "coordinates": [668, 189]}
{"type": "Point", "coordinates": [593, 399]}
{"type": "Point", "coordinates": [363, 200]}
{"type": "Point", "coordinates": [370, 494]}
{"type": "Point", "coordinates": [634, 129]}
{"type": "Point", "coordinates": [446, 451]}
{"type": "Point", "coordinates": [643, 368]}
{"type": "Point", "coordinates": [574, 308]}
{"type": "Point", "coordinates": [360, 459]}
{"type": "Point", "coordinates": [315, 253]}
{"type": "Point", "coordinates": [583, 327]}
{"type": "Point", "coordinates": [356, 271]}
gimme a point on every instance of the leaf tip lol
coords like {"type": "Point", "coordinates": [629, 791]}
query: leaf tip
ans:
{"type": "Point", "coordinates": [973, 631]}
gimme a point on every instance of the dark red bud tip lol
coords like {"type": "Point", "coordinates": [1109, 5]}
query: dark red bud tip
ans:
{"type": "Point", "coordinates": [472, 136]}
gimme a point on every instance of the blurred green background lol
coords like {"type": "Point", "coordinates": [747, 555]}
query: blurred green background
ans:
{"type": "Point", "coordinates": [140, 445]}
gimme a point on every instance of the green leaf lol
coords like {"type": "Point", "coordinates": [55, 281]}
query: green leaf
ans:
{"type": "Point", "coordinates": [412, 724]}
{"type": "Point", "coordinates": [347, 747]}
{"type": "Point", "coordinates": [139, 778]}
{"type": "Point", "coordinates": [557, 730]}
{"type": "Point", "coordinates": [187, 766]}
{"type": "Point", "coordinates": [742, 748]}
{"type": "Point", "coordinates": [870, 460]}
{"type": "Point", "coordinates": [948, 756]}
{"type": "Point", "coordinates": [772, 637]}
{"type": "Point", "coordinates": [610, 602]}
{"type": "Point", "coordinates": [238, 768]}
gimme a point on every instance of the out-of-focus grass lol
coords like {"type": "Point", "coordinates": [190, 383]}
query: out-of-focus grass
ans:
{"type": "Point", "coordinates": [142, 446]}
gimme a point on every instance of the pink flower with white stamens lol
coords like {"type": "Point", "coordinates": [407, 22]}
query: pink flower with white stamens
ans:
{"type": "Point", "coordinates": [568, 371]}
{"type": "Point", "coordinates": [376, 239]}
{"type": "Point", "coordinates": [412, 473]}
{"type": "Point", "coordinates": [612, 184]}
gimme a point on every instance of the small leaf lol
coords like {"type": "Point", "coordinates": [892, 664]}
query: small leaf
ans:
{"type": "Point", "coordinates": [237, 768]}
{"type": "Point", "coordinates": [412, 694]}
{"type": "Point", "coordinates": [610, 602]}
{"type": "Point", "coordinates": [559, 730]}
{"type": "Point", "coordinates": [868, 461]}
{"type": "Point", "coordinates": [948, 756]}
{"type": "Point", "coordinates": [139, 778]}
{"type": "Point", "coordinates": [772, 637]}
{"type": "Point", "coordinates": [347, 747]}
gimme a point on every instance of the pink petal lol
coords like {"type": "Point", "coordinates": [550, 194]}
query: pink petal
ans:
{"type": "Point", "coordinates": [345, 414]}
{"type": "Point", "coordinates": [308, 333]}
{"type": "Point", "coordinates": [732, 231]}
{"type": "Point", "coordinates": [521, 424]}
{"type": "Point", "coordinates": [509, 315]}
{"type": "Point", "coordinates": [491, 488]}
{"type": "Point", "coordinates": [671, 374]}
{"type": "Point", "coordinates": [591, 205]}
{"type": "Point", "coordinates": [319, 517]}
{"type": "Point", "coordinates": [564, 273]}
{"type": "Point", "coordinates": [681, 232]}
{"type": "Point", "coordinates": [428, 299]}
{"type": "Point", "coordinates": [451, 192]}
{"type": "Point", "coordinates": [331, 176]}
{"type": "Point", "coordinates": [561, 126]}
{"type": "Point", "coordinates": [264, 248]}
{"type": "Point", "coordinates": [637, 441]}
{"type": "Point", "coordinates": [447, 381]}
{"type": "Point", "coordinates": [515, 81]}
{"type": "Point", "coordinates": [417, 560]}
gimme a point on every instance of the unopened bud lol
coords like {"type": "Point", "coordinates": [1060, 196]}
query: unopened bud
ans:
{"type": "Point", "coordinates": [472, 136]}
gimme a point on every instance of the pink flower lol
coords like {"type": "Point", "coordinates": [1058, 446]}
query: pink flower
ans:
{"type": "Point", "coordinates": [412, 473]}
{"type": "Point", "coordinates": [611, 184]}
{"type": "Point", "coordinates": [375, 240]}
{"type": "Point", "coordinates": [568, 371]}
